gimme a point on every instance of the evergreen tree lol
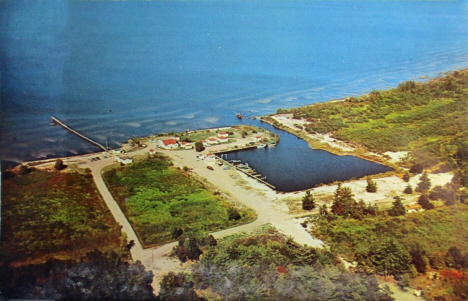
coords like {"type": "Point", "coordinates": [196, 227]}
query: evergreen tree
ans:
{"type": "Point", "coordinates": [406, 177]}
{"type": "Point", "coordinates": [397, 207]}
{"type": "Point", "coordinates": [423, 200]}
{"type": "Point", "coordinates": [424, 183]}
{"type": "Point", "coordinates": [418, 257]}
{"type": "Point", "coordinates": [390, 258]}
{"type": "Point", "coordinates": [408, 189]}
{"type": "Point", "coordinates": [371, 185]}
{"type": "Point", "coordinates": [344, 204]}
{"type": "Point", "coordinates": [308, 201]}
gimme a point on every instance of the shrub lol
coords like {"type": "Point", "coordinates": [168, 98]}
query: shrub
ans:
{"type": "Point", "coordinates": [59, 164]}
{"type": "Point", "coordinates": [233, 214]}
{"type": "Point", "coordinates": [408, 189]}
{"type": "Point", "coordinates": [423, 200]}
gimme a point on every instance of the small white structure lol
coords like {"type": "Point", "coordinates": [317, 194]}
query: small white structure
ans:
{"type": "Point", "coordinates": [186, 145]}
{"type": "Point", "coordinates": [258, 139]}
{"type": "Point", "coordinates": [210, 160]}
{"type": "Point", "coordinates": [168, 143]}
{"type": "Point", "coordinates": [223, 140]}
{"type": "Point", "coordinates": [152, 151]}
{"type": "Point", "coordinates": [124, 160]}
{"type": "Point", "coordinates": [223, 135]}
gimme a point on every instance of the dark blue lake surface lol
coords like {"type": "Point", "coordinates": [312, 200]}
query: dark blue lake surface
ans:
{"type": "Point", "coordinates": [117, 69]}
{"type": "Point", "coordinates": [292, 165]}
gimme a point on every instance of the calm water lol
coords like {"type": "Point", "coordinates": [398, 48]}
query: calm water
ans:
{"type": "Point", "coordinates": [292, 165]}
{"type": "Point", "coordinates": [116, 69]}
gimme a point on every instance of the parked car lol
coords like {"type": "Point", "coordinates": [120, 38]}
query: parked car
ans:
{"type": "Point", "coordinates": [210, 167]}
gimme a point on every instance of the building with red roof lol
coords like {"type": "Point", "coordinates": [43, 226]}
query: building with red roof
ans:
{"type": "Point", "coordinates": [168, 143]}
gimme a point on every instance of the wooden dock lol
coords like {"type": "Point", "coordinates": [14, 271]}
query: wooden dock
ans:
{"type": "Point", "coordinates": [78, 134]}
{"type": "Point", "coordinates": [253, 176]}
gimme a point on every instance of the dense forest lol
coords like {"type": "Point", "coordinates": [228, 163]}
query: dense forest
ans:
{"type": "Point", "coordinates": [269, 266]}
{"type": "Point", "coordinates": [162, 202]}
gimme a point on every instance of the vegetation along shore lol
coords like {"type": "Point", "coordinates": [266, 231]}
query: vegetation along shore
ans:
{"type": "Point", "coordinates": [166, 218]}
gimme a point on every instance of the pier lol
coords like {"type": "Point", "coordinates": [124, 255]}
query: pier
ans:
{"type": "Point", "coordinates": [78, 134]}
{"type": "Point", "coordinates": [253, 175]}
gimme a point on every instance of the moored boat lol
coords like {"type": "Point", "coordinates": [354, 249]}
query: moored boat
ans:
{"type": "Point", "coordinates": [261, 146]}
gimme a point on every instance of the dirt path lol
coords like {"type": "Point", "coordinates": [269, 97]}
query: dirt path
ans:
{"type": "Point", "coordinates": [239, 187]}
{"type": "Point", "coordinates": [250, 194]}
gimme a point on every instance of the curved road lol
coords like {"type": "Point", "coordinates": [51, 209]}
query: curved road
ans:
{"type": "Point", "coordinates": [156, 259]}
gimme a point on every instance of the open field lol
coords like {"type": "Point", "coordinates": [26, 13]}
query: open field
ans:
{"type": "Point", "coordinates": [160, 200]}
{"type": "Point", "coordinates": [54, 215]}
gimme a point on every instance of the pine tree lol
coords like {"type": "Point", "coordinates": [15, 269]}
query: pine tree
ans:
{"type": "Point", "coordinates": [418, 254]}
{"type": "Point", "coordinates": [390, 258]}
{"type": "Point", "coordinates": [308, 201]}
{"type": "Point", "coordinates": [424, 183]}
{"type": "Point", "coordinates": [408, 189]}
{"type": "Point", "coordinates": [344, 204]}
{"type": "Point", "coordinates": [371, 185]}
{"type": "Point", "coordinates": [424, 202]}
{"type": "Point", "coordinates": [397, 207]}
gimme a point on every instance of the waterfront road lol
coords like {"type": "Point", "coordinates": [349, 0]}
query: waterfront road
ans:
{"type": "Point", "coordinates": [239, 187]}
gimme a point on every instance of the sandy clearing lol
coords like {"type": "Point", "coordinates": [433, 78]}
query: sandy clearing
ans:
{"type": "Point", "coordinates": [286, 119]}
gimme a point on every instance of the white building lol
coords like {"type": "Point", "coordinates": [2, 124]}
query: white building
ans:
{"type": "Point", "coordinates": [124, 160]}
{"type": "Point", "coordinates": [168, 143]}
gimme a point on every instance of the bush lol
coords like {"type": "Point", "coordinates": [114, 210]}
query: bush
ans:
{"type": "Point", "coordinates": [423, 200]}
{"type": "Point", "coordinates": [408, 189]}
{"type": "Point", "coordinates": [199, 146]}
{"type": "Point", "coordinates": [233, 214]}
{"type": "Point", "coordinates": [59, 165]}
{"type": "Point", "coordinates": [416, 168]}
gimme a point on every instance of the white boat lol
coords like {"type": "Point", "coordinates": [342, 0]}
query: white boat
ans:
{"type": "Point", "coordinates": [261, 146]}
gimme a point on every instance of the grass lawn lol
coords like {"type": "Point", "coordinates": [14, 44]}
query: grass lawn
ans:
{"type": "Point", "coordinates": [158, 198]}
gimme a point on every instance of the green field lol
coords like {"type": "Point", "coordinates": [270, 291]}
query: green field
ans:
{"type": "Point", "coordinates": [160, 199]}
{"type": "Point", "coordinates": [54, 215]}
{"type": "Point", "coordinates": [437, 229]}
{"type": "Point", "coordinates": [429, 119]}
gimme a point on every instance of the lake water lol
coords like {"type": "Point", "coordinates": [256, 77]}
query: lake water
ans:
{"type": "Point", "coordinates": [292, 165]}
{"type": "Point", "coordinates": [117, 69]}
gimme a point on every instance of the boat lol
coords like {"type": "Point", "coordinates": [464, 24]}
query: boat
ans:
{"type": "Point", "coordinates": [261, 146]}
{"type": "Point", "coordinates": [239, 115]}
{"type": "Point", "coordinates": [234, 161]}
{"type": "Point", "coordinates": [272, 144]}
{"type": "Point", "coordinates": [264, 178]}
